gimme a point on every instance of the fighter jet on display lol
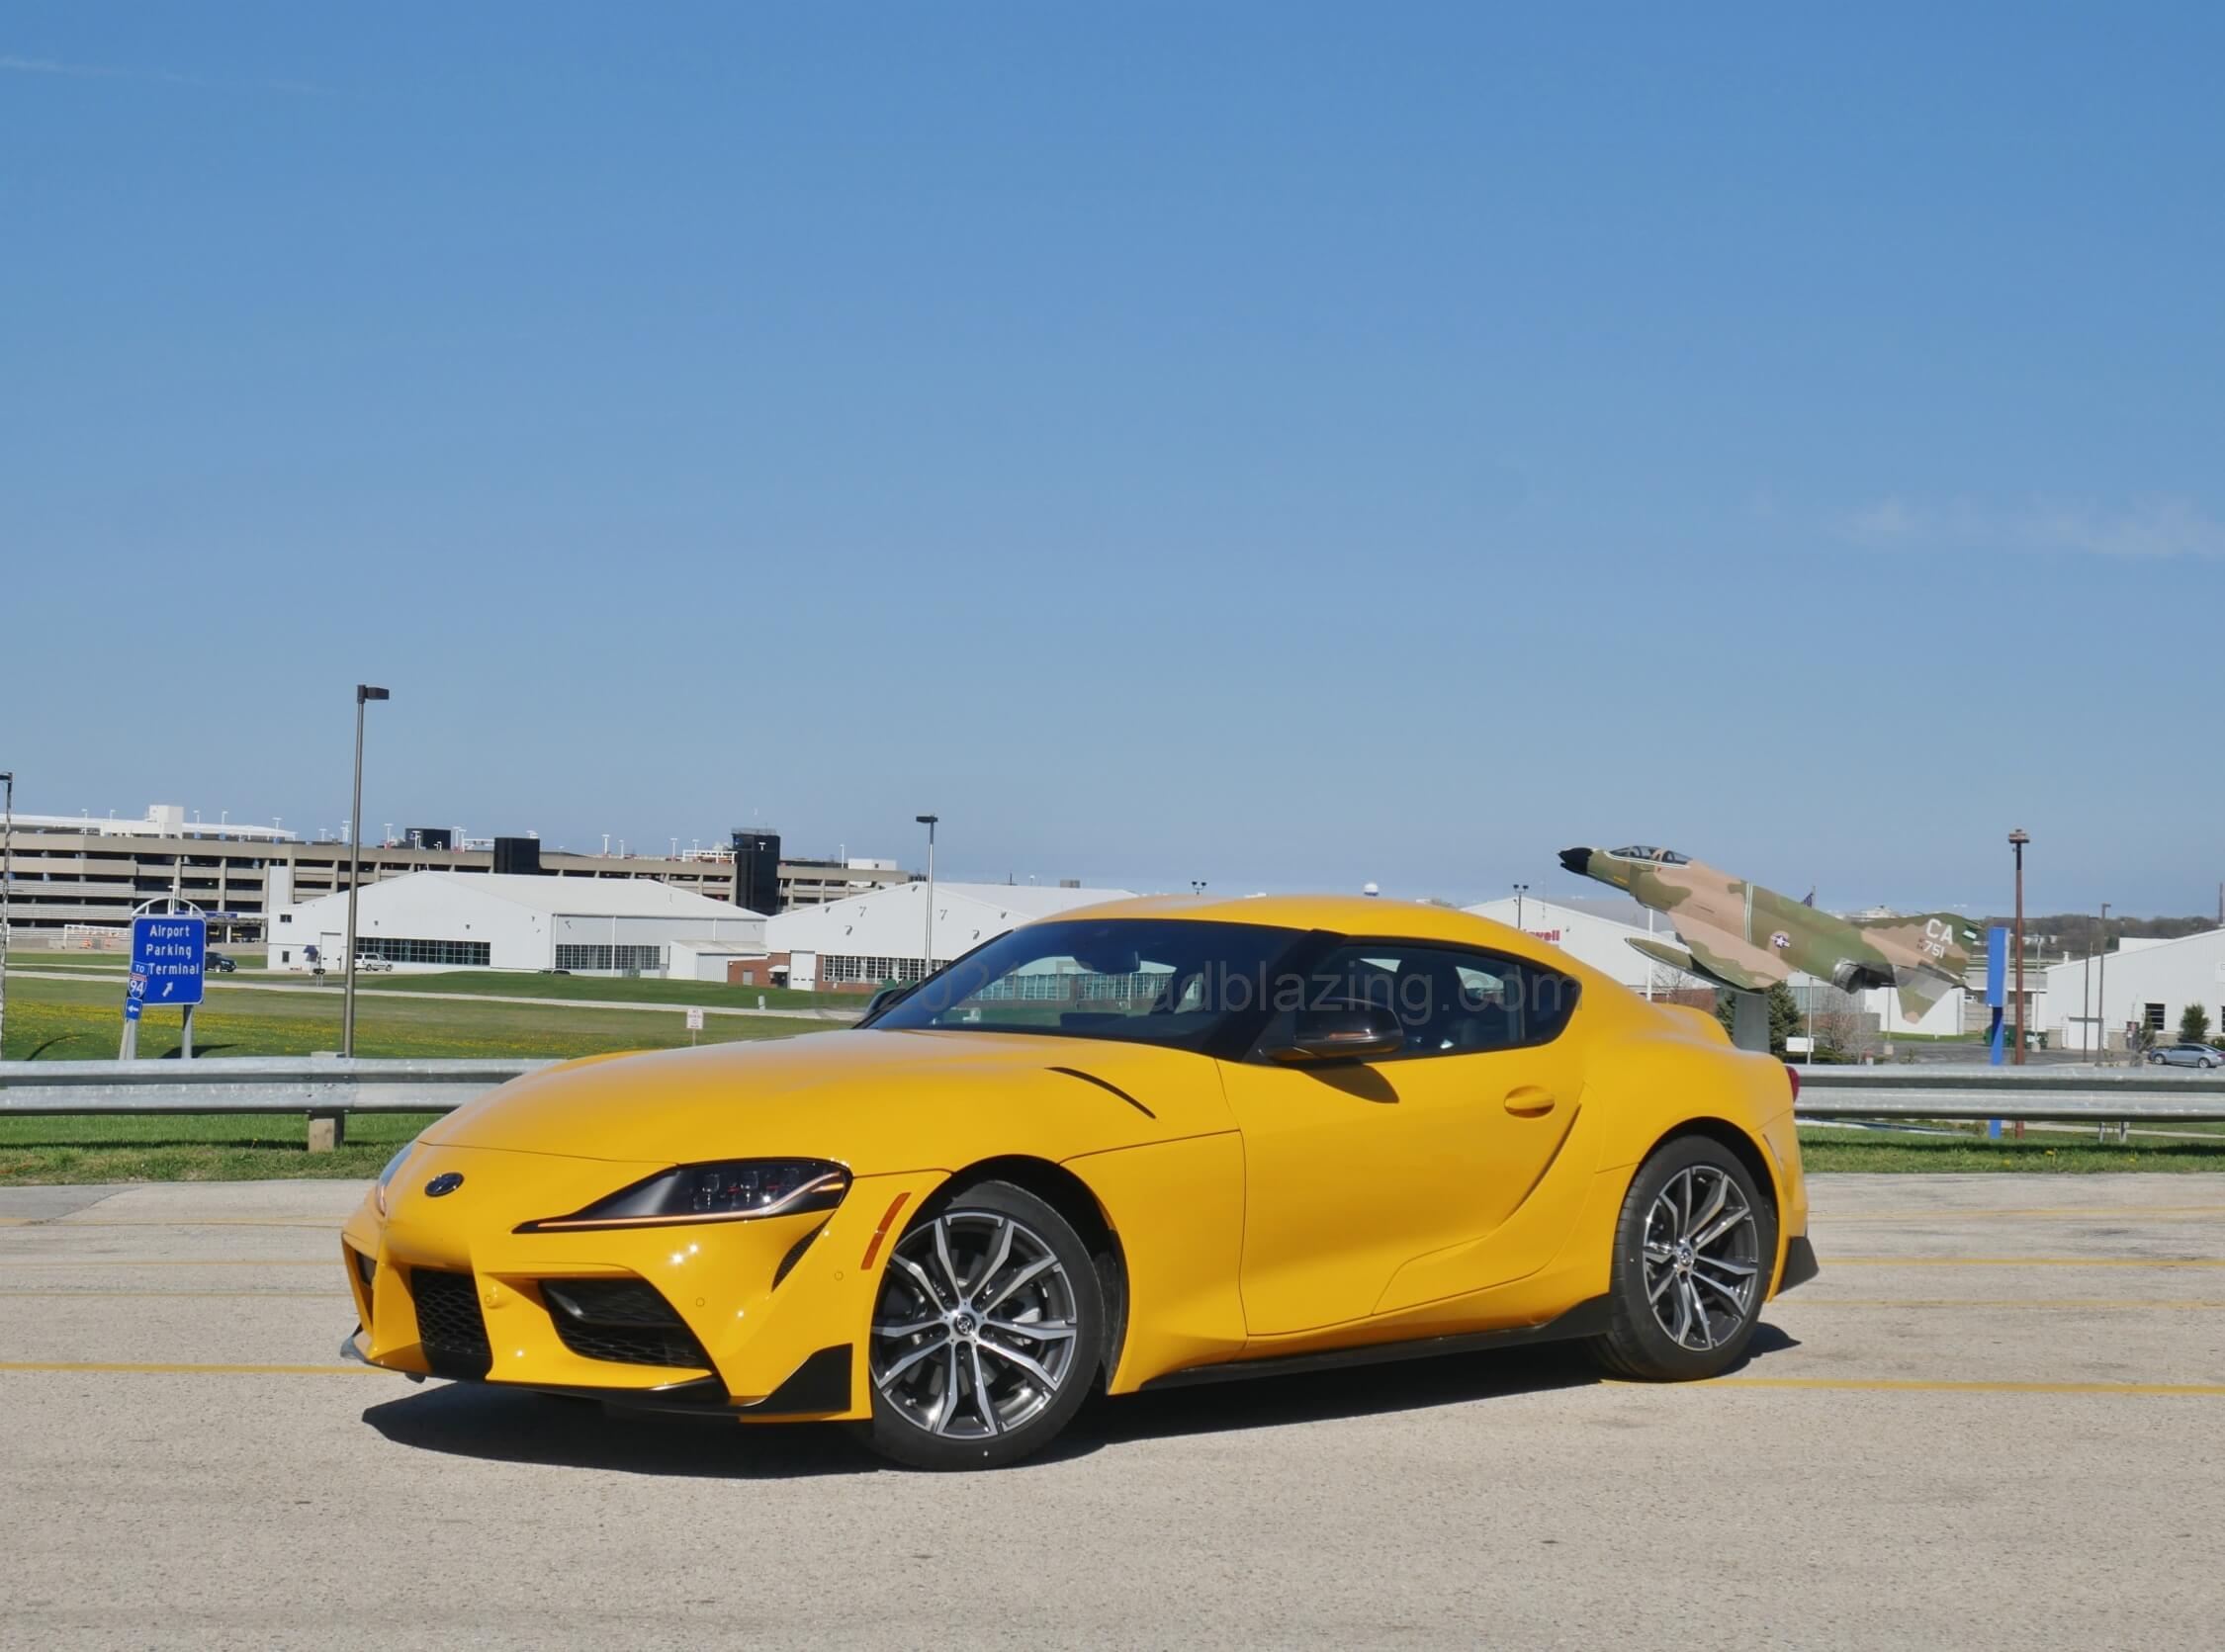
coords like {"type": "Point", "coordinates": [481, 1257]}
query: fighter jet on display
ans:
{"type": "Point", "coordinates": [1740, 936]}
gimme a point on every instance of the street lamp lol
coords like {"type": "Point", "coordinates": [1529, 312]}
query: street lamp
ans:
{"type": "Point", "coordinates": [1197, 886]}
{"type": "Point", "coordinates": [1520, 890]}
{"type": "Point", "coordinates": [926, 963]}
{"type": "Point", "coordinates": [363, 692]}
{"type": "Point", "coordinates": [2017, 840]}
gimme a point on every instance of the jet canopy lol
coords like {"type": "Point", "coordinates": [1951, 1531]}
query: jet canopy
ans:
{"type": "Point", "coordinates": [1647, 851]}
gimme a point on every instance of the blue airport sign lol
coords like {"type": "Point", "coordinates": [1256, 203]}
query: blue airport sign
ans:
{"type": "Point", "coordinates": [168, 953]}
{"type": "Point", "coordinates": [135, 996]}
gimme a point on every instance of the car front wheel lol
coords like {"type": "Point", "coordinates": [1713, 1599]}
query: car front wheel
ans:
{"type": "Point", "coordinates": [987, 1333]}
{"type": "Point", "coordinates": [1694, 1249]}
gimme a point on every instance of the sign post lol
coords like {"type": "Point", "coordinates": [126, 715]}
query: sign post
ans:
{"type": "Point", "coordinates": [694, 1025]}
{"type": "Point", "coordinates": [169, 952]}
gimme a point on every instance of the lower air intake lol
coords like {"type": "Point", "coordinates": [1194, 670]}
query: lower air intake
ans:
{"type": "Point", "coordinates": [449, 1322]}
{"type": "Point", "coordinates": [621, 1320]}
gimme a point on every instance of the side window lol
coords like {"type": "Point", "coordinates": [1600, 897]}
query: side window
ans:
{"type": "Point", "coordinates": [1449, 1001]}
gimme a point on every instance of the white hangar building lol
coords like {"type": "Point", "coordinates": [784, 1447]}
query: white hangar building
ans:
{"type": "Point", "coordinates": [1596, 932]}
{"type": "Point", "coordinates": [867, 939]}
{"type": "Point", "coordinates": [504, 921]}
{"type": "Point", "coordinates": [2144, 984]}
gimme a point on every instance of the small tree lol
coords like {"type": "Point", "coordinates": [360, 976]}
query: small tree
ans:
{"type": "Point", "coordinates": [2193, 1024]}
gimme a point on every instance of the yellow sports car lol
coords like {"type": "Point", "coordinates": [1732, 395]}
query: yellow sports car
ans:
{"type": "Point", "coordinates": [1161, 1141]}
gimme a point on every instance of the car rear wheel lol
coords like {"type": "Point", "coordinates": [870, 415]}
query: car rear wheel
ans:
{"type": "Point", "coordinates": [1694, 1249]}
{"type": "Point", "coordinates": [987, 1333]}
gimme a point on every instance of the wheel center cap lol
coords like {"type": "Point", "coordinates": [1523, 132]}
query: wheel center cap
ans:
{"type": "Point", "coordinates": [963, 1324]}
{"type": "Point", "coordinates": [1684, 1255]}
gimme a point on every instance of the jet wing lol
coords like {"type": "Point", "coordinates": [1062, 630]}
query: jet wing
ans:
{"type": "Point", "coordinates": [1709, 964]}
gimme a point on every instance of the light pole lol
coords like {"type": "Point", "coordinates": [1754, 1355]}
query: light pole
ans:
{"type": "Point", "coordinates": [2017, 840]}
{"type": "Point", "coordinates": [363, 692]}
{"type": "Point", "coordinates": [926, 963]}
{"type": "Point", "coordinates": [1520, 890]}
{"type": "Point", "coordinates": [7, 877]}
{"type": "Point", "coordinates": [1197, 886]}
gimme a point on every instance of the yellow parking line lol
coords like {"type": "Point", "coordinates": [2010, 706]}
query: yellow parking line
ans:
{"type": "Point", "coordinates": [1899, 1385]}
{"type": "Point", "coordinates": [1971, 1302]}
{"type": "Point", "coordinates": [86, 1365]}
{"type": "Point", "coordinates": [316, 1223]}
{"type": "Point", "coordinates": [160, 1262]}
{"type": "Point", "coordinates": [319, 1295]}
{"type": "Point", "coordinates": [2132, 1214]}
{"type": "Point", "coordinates": [2024, 1261]}
{"type": "Point", "coordinates": [16, 1221]}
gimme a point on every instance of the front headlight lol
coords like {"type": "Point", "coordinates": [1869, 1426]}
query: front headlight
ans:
{"type": "Point", "coordinates": [734, 1191]}
{"type": "Point", "coordinates": [386, 1175]}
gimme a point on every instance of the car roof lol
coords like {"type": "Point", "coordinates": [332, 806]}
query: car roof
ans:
{"type": "Point", "coordinates": [1343, 914]}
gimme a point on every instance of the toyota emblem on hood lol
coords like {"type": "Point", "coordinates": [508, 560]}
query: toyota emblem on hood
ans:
{"type": "Point", "coordinates": [443, 1184]}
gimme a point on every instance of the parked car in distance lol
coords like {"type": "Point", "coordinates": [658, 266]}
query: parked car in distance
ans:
{"type": "Point", "coordinates": [2186, 1055]}
{"type": "Point", "coordinates": [218, 962]}
{"type": "Point", "coordinates": [362, 965]}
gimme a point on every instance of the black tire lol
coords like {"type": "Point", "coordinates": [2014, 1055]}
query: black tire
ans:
{"type": "Point", "coordinates": [1636, 1343]}
{"type": "Point", "coordinates": [957, 1390]}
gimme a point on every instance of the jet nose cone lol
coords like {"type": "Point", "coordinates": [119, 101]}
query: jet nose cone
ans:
{"type": "Point", "coordinates": [1578, 861]}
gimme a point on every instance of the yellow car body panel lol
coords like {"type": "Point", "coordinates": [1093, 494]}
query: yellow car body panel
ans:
{"type": "Point", "coordinates": [1257, 1210]}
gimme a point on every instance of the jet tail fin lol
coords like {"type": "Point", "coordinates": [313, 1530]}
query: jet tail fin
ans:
{"type": "Point", "coordinates": [1943, 940]}
{"type": "Point", "coordinates": [1919, 993]}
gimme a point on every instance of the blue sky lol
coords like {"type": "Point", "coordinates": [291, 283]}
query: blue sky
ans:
{"type": "Point", "coordinates": [1276, 445]}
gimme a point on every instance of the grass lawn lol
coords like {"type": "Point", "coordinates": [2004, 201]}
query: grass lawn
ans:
{"type": "Point", "coordinates": [81, 1020]}
{"type": "Point", "coordinates": [590, 989]}
{"type": "Point", "coordinates": [521, 983]}
{"type": "Point", "coordinates": [1826, 1151]}
{"type": "Point", "coordinates": [200, 1147]}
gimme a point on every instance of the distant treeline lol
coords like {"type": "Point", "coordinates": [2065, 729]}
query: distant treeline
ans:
{"type": "Point", "coordinates": [2082, 933]}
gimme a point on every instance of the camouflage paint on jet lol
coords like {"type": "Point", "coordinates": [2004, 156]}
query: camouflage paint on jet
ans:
{"type": "Point", "coordinates": [1742, 935]}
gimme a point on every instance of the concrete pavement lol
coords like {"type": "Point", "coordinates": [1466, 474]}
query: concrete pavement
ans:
{"type": "Point", "coordinates": [1997, 1419]}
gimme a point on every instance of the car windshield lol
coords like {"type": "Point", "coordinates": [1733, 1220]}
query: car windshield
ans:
{"type": "Point", "coordinates": [1147, 981]}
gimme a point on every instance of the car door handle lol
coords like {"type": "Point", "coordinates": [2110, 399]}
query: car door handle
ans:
{"type": "Point", "coordinates": [1529, 1101]}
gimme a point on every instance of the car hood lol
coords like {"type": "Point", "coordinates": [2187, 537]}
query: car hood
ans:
{"type": "Point", "coordinates": [876, 1102]}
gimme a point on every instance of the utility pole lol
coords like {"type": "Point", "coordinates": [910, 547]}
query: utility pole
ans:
{"type": "Point", "coordinates": [1520, 890]}
{"type": "Point", "coordinates": [363, 691]}
{"type": "Point", "coordinates": [2017, 840]}
{"type": "Point", "coordinates": [926, 963]}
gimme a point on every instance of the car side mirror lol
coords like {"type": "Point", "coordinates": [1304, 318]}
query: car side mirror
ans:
{"type": "Point", "coordinates": [1345, 1032]}
{"type": "Point", "coordinates": [880, 1001]}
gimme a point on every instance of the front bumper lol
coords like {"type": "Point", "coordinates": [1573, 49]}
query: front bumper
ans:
{"type": "Point", "coordinates": [775, 1307]}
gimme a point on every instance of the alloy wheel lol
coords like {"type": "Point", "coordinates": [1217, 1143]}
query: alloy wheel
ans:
{"type": "Point", "coordinates": [975, 1329]}
{"type": "Point", "coordinates": [1703, 1260]}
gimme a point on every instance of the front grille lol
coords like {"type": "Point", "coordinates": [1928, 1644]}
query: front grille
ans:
{"type": "Point", "coordinates": [621, 1320]}
{"type": "Point", "coordinates": [449, 1322]}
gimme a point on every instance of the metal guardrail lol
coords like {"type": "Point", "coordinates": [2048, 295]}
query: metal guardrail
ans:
{"type": "Point", "coordinates": [322, 1088]}
{"type": "Point", "coordinates": [326, 1088]}
{"type": "Point", "coordinates": [2054, 1094]}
